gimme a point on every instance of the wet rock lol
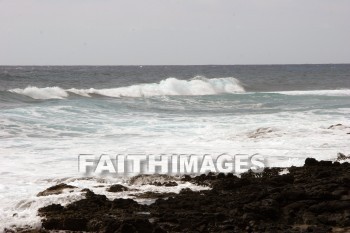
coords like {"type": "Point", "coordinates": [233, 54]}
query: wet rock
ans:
{"type": "Point", "coordinates": [335, 126]}
{"type": "Point", "coordinates": [51, 208]}
{"type": "Point", "coordinates": [24, 230]}
{"type": "Point", "coordinates": [166, 184]}
{"type": "Point", "coordinates": [153, 195]}
{"type": "Point", "coordinates": [136, 225]}
{"type": "Point", "coordinates": [341, 156]}
{"type": "Point", "coordinates": [117, 188]}
{"type": "Point", "coordinates": [311, 162]}
{"type": "Point", "coordinates": [312, 198]}
{"type": "Point", "coordinates": [149, 179]}
{"type": "Point", "coordinates": [170, 184]}
{"type": "Point", "coordinates": [121, 203]}
{"type": "Point", "coordinates": [54, 190]}
{"type": "Point", "coordinates": [220, 176]}
{"type": "Point", "coordinates": [186, 178]}
{"type": "Point", "coordinates": [338, 127]}
{"type": "Point", "coordinates": [325, 163]}
{"type": "Point", "coordinates": [186, 191]}
{"type": "Point", "coordinates": [260, 132]}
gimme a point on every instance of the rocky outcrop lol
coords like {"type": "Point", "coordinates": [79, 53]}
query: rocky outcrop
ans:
{"type": "Point", "coordinates": [54, 190]}
{"type": "Point", "coordinates": [312, 198]}
{"type": "Point", "coordinates": [341, 157]}
{"type": "Point", "coordinates": [117, 188]}
{"type": "Point", "coordinates": [166, 184]}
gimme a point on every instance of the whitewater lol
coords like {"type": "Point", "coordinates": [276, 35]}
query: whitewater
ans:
{"type": "Point", "coordinates": [168, 87]}
{"type": "Point", "coordinates": [51, 115]}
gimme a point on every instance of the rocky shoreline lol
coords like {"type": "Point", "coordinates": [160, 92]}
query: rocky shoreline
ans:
{"type": "Point", "coordinates": [312, 198]}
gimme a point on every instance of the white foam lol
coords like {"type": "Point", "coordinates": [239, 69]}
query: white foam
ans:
{"type": "Point", "coordinates": [42, 93]}
{"type": "Point", "coordinates": [169, 86]}
{"type": "Point", "coordinates": [343, 92]}
{"type": "Point", "coordinates": [23, 213]}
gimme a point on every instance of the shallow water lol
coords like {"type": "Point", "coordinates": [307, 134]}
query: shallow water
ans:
{"type": "Point", "coordinates": [50, 115]}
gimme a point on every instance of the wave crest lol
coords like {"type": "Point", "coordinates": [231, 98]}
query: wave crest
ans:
{"type": "Point", "coordinates": [42, 93]}
{"type": "Point", "coordinates": [170, 86]}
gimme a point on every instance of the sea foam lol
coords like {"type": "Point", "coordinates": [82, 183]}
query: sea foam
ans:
{"type": "Point", "coordinates": [42, 93]}
{"type": "Point", "coordinates": [341, 92]}
{"type": "Point", "coordinates": [169, 86]}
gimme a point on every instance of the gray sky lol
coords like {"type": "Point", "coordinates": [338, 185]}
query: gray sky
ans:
{"type": "Point", "coordinates": [150, 32]}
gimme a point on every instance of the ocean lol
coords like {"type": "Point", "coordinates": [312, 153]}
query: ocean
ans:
{"type": "Point", "coordinates": [49, 115]}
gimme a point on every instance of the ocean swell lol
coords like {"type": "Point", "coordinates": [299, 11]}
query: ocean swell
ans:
{"type": "Point", "coordinates": [342, 92]}
{"type": "Point", "coordinates": [169, 86]}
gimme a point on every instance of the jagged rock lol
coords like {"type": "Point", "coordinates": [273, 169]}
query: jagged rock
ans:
{"type": "Point", "coordinates": [341, 156]}
{"type": "Point", "coordinates": [312, 198]}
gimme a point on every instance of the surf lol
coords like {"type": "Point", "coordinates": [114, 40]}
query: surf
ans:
{"type": "Point", "coordinates": [167, 87]}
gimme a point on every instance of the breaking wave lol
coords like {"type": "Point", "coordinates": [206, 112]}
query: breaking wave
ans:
{"type": "Point", "coordinates": [42, 93]}
{"type": "Point", "coordinates": [169, 86]}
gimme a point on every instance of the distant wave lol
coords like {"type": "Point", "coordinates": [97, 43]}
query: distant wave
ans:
{"type": "Point", "coordinates": [169, 86]}
{"type": "Point", "coordinates": [342, 92]}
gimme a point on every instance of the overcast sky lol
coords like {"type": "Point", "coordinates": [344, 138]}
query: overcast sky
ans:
{"type": "Point", "coordinates": [151, 32]}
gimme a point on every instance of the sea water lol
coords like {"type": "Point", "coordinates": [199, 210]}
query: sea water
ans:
{"type": "Point", "coordinates": [50, 115]}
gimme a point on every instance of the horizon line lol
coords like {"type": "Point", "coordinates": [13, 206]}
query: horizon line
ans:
{"type": "Point", "coordinates": [141, 65]}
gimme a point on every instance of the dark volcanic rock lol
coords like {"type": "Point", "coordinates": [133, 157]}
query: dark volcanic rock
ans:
{"type": "Point", "coordinates": [166, 184]}
{"type": "Point", "coordinates": [153, 195]}
{"type": "Point", "coordinates": [117, 188]}
{"type": "Point", "coordinates": [341, 157]}
{"type": "Point", "coordinates": [311, 162]}
{"type": "Point", "coordinates": [95, 213]}
{"type": "Point", "coordinates": [313, 198]}
{"type": "Point", "coordinates": [54, 190]}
